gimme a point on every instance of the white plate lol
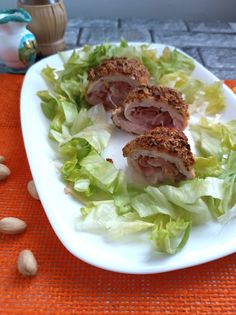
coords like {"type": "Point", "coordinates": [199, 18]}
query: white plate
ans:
{"type": "Point", "coordinates": [133, 255]}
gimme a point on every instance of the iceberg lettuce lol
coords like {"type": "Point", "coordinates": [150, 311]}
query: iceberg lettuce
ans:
{"type": "Point", "coordinates": [91, 125]}
{"type": "Point", "coordinates": [170, 236]}
{"type": "Point", "coordinates": [152, 202]}
{"type": "Point", "coordinates": [173, 61]}
{"type": "Point", "coordinates": [102, 174]}
{"type": "Point", "coordinates": [200, 96]}
{"type": "Point", "coordinates": [102, 215]}
{"type": "Point", "coordinates": [207, 166]}
{"type": "Point", "coordinates": [214, 139]}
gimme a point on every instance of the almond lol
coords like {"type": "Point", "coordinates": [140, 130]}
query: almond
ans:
{"type": "Point", "coordinates": [2, 158]}
{"type": "Point", "coordinates": [27, 264]}
{"type": "Point", "coordinates": [11, 225]}
{"type": "Point", "coordinates": [32, 190]}
{"type": "Point", "coordinates": [4, 171]}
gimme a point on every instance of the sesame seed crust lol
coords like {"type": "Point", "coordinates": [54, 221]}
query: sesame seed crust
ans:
{"type": "Point", "coordinates": [160, 94]}
{"type": "Point", "coordinates": [162, 139]}
{"type": "Point", "coordinates": [122, 66]}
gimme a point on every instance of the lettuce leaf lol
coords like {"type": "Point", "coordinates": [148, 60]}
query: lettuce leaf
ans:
{"type": "Point", "coordinates": [102, 216]}
{"type": "Point", "coordinates": [122, 197]}
{"type": "Point", "coordinates": [91, 168]}
{"type": "Point", "coordinates": [173, 61]}
{"type": "Point", "coordinates": [217, 143]}
{"type": "Point", "coordinates": [91, 125]}
{"type": "Point", "coordinates": [214, 139]}
{"type": "Point", "coordinates": [94, 126]}
{"type": "Point", "coordinates": [190, 191]}
{"type": "Point", "coordinates": [152, 202]}
{"type": "Point", "coordinates": [168, 231]}
{"type": "Point", "coordinates": [225, 209]}
{"type": "Point", "coordinates": [100, 172]}
{"type": "Point", "coordinates": [200, 97]}
{"type": "Point", "coordinates": [82, 185]}
{"type": "Point", "coordinates": [75, 149]}
{"type": "Point", "coordinates": [207, 166]}
{"type": "Point", "coordinates": [49, 75]}
{"type": "Point", "coordinates": [176, 80]}
{"type": "Point", "coordinates": [214, 97]}
{"type": "Point", "coordinates": [230, 165]}
{"type": "Point", "coordinates": [49, 104]}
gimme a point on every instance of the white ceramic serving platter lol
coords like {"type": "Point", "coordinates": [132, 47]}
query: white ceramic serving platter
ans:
{"type": "Point", "coordinates": [130, 255]}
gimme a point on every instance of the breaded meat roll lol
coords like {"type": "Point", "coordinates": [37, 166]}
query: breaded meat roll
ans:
{"type": "Point", "coordinates": [148, 107]}
{"type": "Point", "coordinates": [162, 155]}
{"type": "Point", "coordinates": [110, 82]}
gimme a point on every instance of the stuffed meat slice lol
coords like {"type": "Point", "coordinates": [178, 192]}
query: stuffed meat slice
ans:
{"type": "Point", "coordinates": [110, 82]}
{"type": "Point", "coordinates": [147, 107]}
{"type": "Point", "coordinates": [162, 155]}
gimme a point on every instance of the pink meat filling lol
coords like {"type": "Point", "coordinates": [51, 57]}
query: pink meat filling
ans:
{"type": "Point", "coordinates": [151, 116]}
{"type": "Point", "coordinates": [110, 94]}
{"type": "Point", "coordinates": [150, 165]}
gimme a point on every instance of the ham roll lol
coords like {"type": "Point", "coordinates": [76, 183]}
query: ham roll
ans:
{"type": "Point", "coordinates": [148, 107]}
{"type": "Point", "coordinates": [110, 82]}
{"type": "Point", "coordinates": [161, 155]}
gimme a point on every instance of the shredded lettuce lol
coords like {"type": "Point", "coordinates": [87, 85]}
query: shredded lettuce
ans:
{"type": "Point", "coordinates": [216, 142]}
{"type": "Point", "coordinates": [189, 192]}
{"type": "Point", "coordinates": [102, 173]}
{"type": "Point", "coordinates": [173, 61]}
{"type": "Point", "coordinates": [48, 104]}
{"type": "Point", "coordinates": [214, 98]}
{"type": "Point", "coordinates": [214, 139]}
{"type": "Point", "coordinates": [91, 125]}
{"type": "Point", "coordinates": [80, 135]}
{"type": "Point", "coordinates": [207, 166]}
{"type": "Point", "coordinates": [103, 215]}
{"type": "Point", "coordinates": [168, 231]}
{"type": "Point", "coordinates": [200, 97]}
{"type": "Point", "coordinates": [152, 202]}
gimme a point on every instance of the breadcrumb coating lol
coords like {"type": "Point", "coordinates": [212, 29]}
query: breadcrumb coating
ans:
{"type": "Point", "coordinates": [160, 94]}
{"type": "Point", "coordinates": [122, 66]}
{"type": "Point", "coordinates": [163, 139]}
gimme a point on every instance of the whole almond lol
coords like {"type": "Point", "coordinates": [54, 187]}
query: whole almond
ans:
{"type": "Point", "coordinates": [4, 171]}
{"type": "Point", "coordinates": [2, 158]}
{"type": "Point", "coordinates": [11, 225]}
{"type": "Point", "coordinates": [32, 190]}
{"type": "Point", "coordinates": [27, 264]}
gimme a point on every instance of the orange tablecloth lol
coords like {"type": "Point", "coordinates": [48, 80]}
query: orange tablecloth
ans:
{"type": "Point", "coordinates": [66, 285]}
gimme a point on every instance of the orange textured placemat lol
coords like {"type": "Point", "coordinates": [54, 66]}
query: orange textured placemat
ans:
{"type": "Point", "coordinates": [66, 285]}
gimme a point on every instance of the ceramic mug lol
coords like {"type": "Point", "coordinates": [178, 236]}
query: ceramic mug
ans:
{"type": "Point", "coordinates": [19, 49]}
